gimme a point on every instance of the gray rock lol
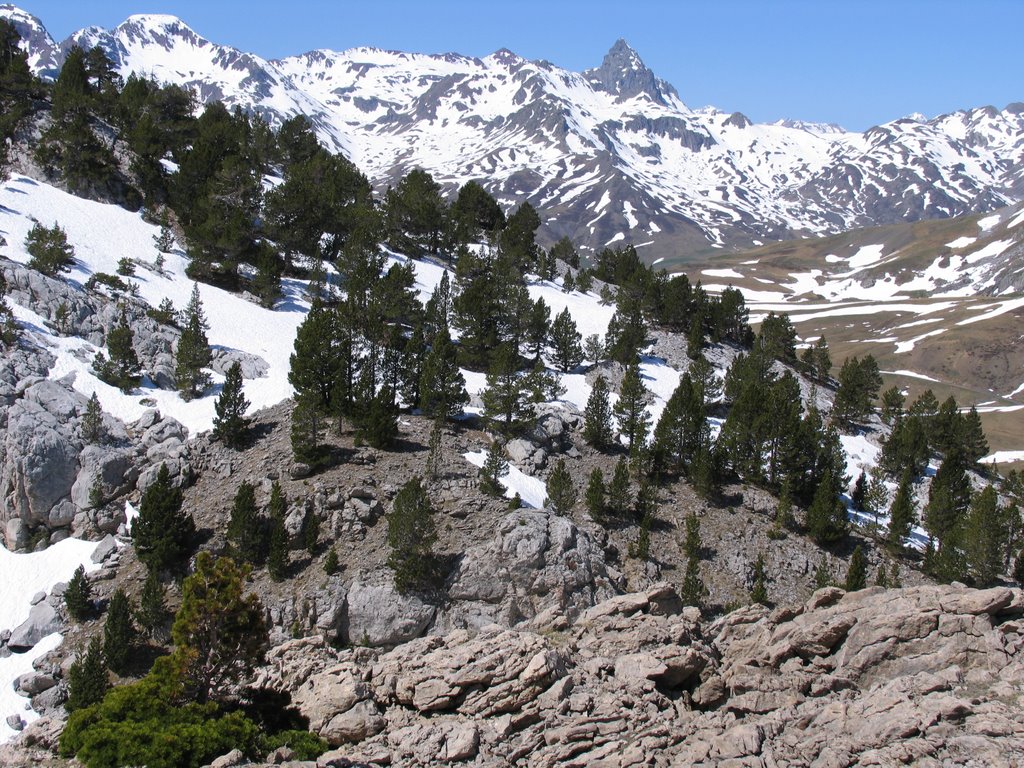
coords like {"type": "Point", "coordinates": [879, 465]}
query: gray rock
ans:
{"type": "Point", "coordinates": [378, 615]}
{"type": "Point", "coordinates": [104, 549]}
{"type": "Point", "coordinates": [16, 722]}
{"type": "Point", "coordinates": [38, 597]}
{"type": "Point", "coordinates": [34, 682]}
{"type": "Point", "coordinates": [42, 620]}
{"type": "Point", "coordinates": [231, 759]}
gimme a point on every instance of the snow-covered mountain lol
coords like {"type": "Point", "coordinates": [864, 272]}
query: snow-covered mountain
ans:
{"type": "Point", "coordinates": [608, 155]}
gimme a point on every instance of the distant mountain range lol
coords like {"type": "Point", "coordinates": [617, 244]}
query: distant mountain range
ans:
{"type": "Point", "coordinates": [609, 155]}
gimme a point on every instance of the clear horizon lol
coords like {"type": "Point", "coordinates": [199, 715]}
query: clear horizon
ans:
{"type": "Point", "coordinates": [857, 64]}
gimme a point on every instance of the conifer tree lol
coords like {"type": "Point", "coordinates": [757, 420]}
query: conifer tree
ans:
{"type": "Point", "coordinates": [309, 532]}
{"type": "Point", "coordinates": [641, 548]}
{"type": "Point", "coordinates": [784, 509]}
{"type": "Point", "coordinates": [119, 633]}
{"type": "Point", "coordinates": [597, 417]}
{"type": "Point", "coordinates": [162, 532]}
{"type": "Point", "coordinates": [593, 349]}
{"type": "Point", "coordinates": [901, 513]}
{"type": "Point", "coordinates": [50, 250]}
{"type": "Point", "coordinates": [971, 438]}
{"type": "Point", "coordinates": [277, 553]}
{"type": "Point", "coordinates": [948, 499]}
{"type": "Point", "coordinates": [505, 404]}
{"type": "Point", "coordinates": [244, 526]}
{"type": "Point", "coordinates": [759, 588]}
{"type": "Point", "coordinates": [984, 537]}
{"type": "Point", "coordinates": [495, 467]}
{"type": "Point", "coordinates": [307, 430]}
{"type": "Point", "coordinates": [230, 424]}
{"type": "Point", "coordinates": [78, 595]}
{"type": "Point", "coordinates": [826, 517]}
{"type": "Point", "coordinates": [892, 405]}
{"type": "Point", "coordinates": [377, 423]}
{"type": "Point", "coordinates": [92, 421]}
{"type": "Point", "coordinates": [435, 451]}
{"type": "Point", "coordinates": [620, 495]}
{"type": "Point", "coordinates": [87, 678]}
{"type": "Point", "coordinates": [152, 614]}
{"type": "Point", "coordinates": [565, 342]}
{"type": "Point", "coordinates": [693, 591]}
{"type": "Point", "coordinates": [822, 574]}
{"type": "Point", "coordinates": [560, 489]}
{"type": "Point", "coordinates": [595, 495]}
{"type": "Point", "coordinates": [630, 409]}
{"type": "Point", "coordinates": [193, 352]}
{"type": "Point", "coordinates": [122, 370]}
{"type": "Point", "coordinates": [857, 573]}
{"type": "Point", "coordinates": [411, 537]}
{"type": "Point", "coordinates": [538, 327]}
{"type": "Point", "coordinates": [164, 242]}
{"type": "Point", "coordinates": [860, 491]}
{"type": "Point", "coordinates": [331, 565]}
{"type": "Point", "coordinates": [442, 385]}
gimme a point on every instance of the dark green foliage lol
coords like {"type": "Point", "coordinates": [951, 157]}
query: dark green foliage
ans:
{"type": "Point", "coordinates": [78, 595]}
{"type": "Point", "coordinates": [122, 370]}
{"type": "Point", "coordinates": [857, 573]}
{"type": "Point", "coordinates": [87, 678]}
{"type": "Point", "coordinates": [823, 574]}
{"type": "Point", "coordinates": [411, 537]}
{"type": "Point", "coordinates": [948, 499]}
{"type": "Point", "coordinates": [495, 467]}
{"type": "Point", "coordinates": [435, 451]}
{"type": "Point", "coordinates": [307, 430]}
{"type": "Point", "coordinates": [277, 547]}
{"type": "Point", "coordinates": [641, 548]}
{"type": "Point", "coordinates": [631, 410]}
{"type": "Point", "coordinates": [331, 565]}
{"type": "Point", "coordinates": [859, 384]}
{"type": "Point", "coordinates": [817, 360]}
{"type": "Point", "coordinates": [597, 417]}
{"type": "Point", "coordinates": [193, 352]}
{"type": "Point", "coordinates": [971, 436]}
{"type": "Point", "coordinates": [92, 421]}
{"type": "Point", "coordinates": [415, 214]}
{"type": "Point", "coordinates": [759, 582]}
{"type": "Point", "coordinates": [538, 328]}
{"type": "Point", "coordinates": [244, 530]}
{"type": "Point", "coordinates": [162, 532]}
{"type": "Point", "coordinates": [230, 425]}
{"type": "Point", "coordinates": [50, 250]}
{"type": "Point", "coordinates": [892, 404]}
{"type": "Point", "coordinates": [777, 338]}
{"type": "Point", "coordinates": [309, 531]}
{"type": "Point", "coordinates": [901, 514]}
{"type": "Point", "coordinates": [316, 360]}
{"type": "Point", "coordinates": [627, 332]}
{"type": "Point", "coordinates": [18, 86]}
{"type": "Point", "coordinates": [560, 490]}
{"type": "Point", "coordinates": [859, 492]}
{"type": "Point", "coordinates": [377, 422]}
{"type": "Point", "coordinates": [565, 342]}
{"type": "Point", "coordinates": [152, 614]}
{"type": "Point", "coordinates": [985, 532]}
{"type": "Point", "coordinates": [305, 746]}
{"type": "Point", "coordinates": [475, 214]}
{"type": "Point", "coordinates": [164, 313]}
{"type": "Point", "coordinates": [693, 591]}
{"type": "Point", "coordinates": [505, 398]}
{"type": "Point", "coordinates": [442, 385]}
{"type": "Point", "coordinates": [219, 632]}
{"type": "Point", "coordinates": [595, 496]}
{"type": "Point", "coordinates": [620, 492]}
{"type": "Point", "coordinates": [826, 517]}
{"type": "Point", "coordinates": [125, 267]}
{"type": "Point", "coordinates": [907, 447]}
{"type": "Point", "coordinates": [682, 432]}
{"type": "Point", "coordinates": [119, 633]}
{"type": "Point", "coordinates": [518, 237]}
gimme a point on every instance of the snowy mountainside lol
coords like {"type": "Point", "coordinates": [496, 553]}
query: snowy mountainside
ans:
{"type": "Point", "coordinates": [611, 155]}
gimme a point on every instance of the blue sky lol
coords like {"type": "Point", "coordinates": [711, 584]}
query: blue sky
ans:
{"type": "Point", "coordinates": [853, 62]}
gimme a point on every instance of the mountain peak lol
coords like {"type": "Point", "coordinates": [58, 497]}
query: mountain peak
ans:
{"type": "Point", "coordinates": [624, 74]}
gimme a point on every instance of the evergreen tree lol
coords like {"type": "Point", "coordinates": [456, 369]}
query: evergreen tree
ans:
{"type": "Point", "coordinates": [219, 633]}
{"type": "Point", "coordinates": [152, 614]}
{"type": "Point", "coordinates": [595, 495]}
{"type": "Point", "coordinates": [411, 537]}
{"type": "Point", "coordinates": [593, 349]}
{"type": "Point", "coordinates": [631, 410]}
{"type": "Point", "coordinates": [538, 327]}
{"type": "Point", "coordinates": [317, 359]}
{"type": "Point", "coordinates": [826, 517]}
{"type": "Point", "coordinates": [307, 430]}
{"type": "Point", "coordinates": [876, 498]}
{"type": "Point", "coordinates": [859, 384]}
{"type": "Point", "coordinates": [971, 437]}
{"type": "Point", "coordinates": [565, 342]}
{"type": "Point", "coordinates": [759, 584]}
{"type": "Point", "coordinates": [230, 424]}
{"type": "Point", "coordinates": [162, 532]}
{"type": "Point", "coordinates": [244, 528]}
{"type": "Point", "coordinates": [860, 491]}
{"type": "Point", "coordinates": [857, 574]}
{"type": "Point", "coordinates": [505, 403]}
{"type": "Point", "coordinates": [822, 574]}
{"type": "Point", "coordinates": [377, 423]}
{"type": "Point", "coordinates": [901, 513]}
{"type": "Point", "coordinates": [87, 678]}
{"type": "Point", "coordinates": [984, 536]}
{"type": "Point", "coordinates": [495, 467]}
{"type": "Point", "coordinates": [948, 499]}
{"type": "Point", "coordinates": [193, 352]}
{"type": "Point", "coordinates": [92, 421]}
{"type": "Point", "coordinates": [277, 554]}
{"type": "Point", "coordinates": [597, 417]}
{"type": "Point", "coordinates": [705, 379]}
{"type": "Point", "coordinates": [119, 633]}
{"type": "Point", "coordinates": [641, 548]}
{"type": "Point", "coordinates": [122, 370]}
{"type": "Point", "coordinates": [164, 242]}
{"type": "Point", "coordinates": [620, 493]}
{"type": "Point", "coordinates": [442, 385]}
{"type": "Point", "coordinates": [892, 405]}
{"type": "Point", "coordinates": [78, 595]}
{"type": "Point", "coordinates": [435, 452]}
{"type": "Point", "coordinates": [706, 473]}
{"type": "Point", "coordinates": [693, 591]}
{"type": "Point", "coordinates": [560, 489]}
{"type": "Point", "coordinates": [309, 532]}
{"type": "Point", "coordinates": [49, 248]}
{"type": "Point", "coordinates": [331, 565]}
{"type": "Point", "coordinates": [784, 509]}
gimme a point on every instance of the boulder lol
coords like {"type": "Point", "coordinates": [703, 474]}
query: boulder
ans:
{"type": "Point", "coordinates": [42, 620]}
{"type": "Point", "coordinates": [378, 615]}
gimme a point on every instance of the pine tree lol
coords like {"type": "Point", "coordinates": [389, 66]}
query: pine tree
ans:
{"type": "Point", "coordinates": [411, 537]}
{"type": "Point", "coordinates": [822, 574]}
{"type": "Point", "coordinates": [78, 595]}
{"type": "Point", "coordinates": [538, 327]}
{"type": "Point", "coordinates": [152, 614]}
{"type": "Point", "coordinates": [784, 509]}
{"type": "Point", "coordinates": [442, 385]}
{"type": "Point", "coordinates": [630, 409]}
{"type": "Point", "coordinates": [860, 490]}
{"type": "Point", "coordinates": [565, 342]}
{"type": "Point", "coordinates": [984, 535]}
{"type": "Point", "coordinates": [277, 551]}
{"type": "Point", "coordinates": [901, 513]}
{"type": "Point", "coordinates": [49, 248]}
{"type": "Point", "coordinates": [560, 489]}
{"type": "Point", "coordinates": [92, 421]}
{"type": "Point", "coordinates": [826, 517]}
{"type": "Point", "coordinates": [165, 240]}
{"type": "Point", "coordinates": [123, 368]}
{"type": "Point", "coordinates": [119, 633]}
{"type": "Point", "coordinates": [759, 588]}
{"type": "Point", "coordinates": [597, 417]}
{"type": "Point", "coordinates": [162, 532]}
{"type": "Point", "coordinates": [857, 573]}
{"type": "Point", "coordinates": [193, 352]}
{"type": "Point", "coordinates": [641, 548]}
{"type": "Point", "coordinates": [595, 495]}
{"type": "Point", "coordinates": [620, 495]}
{"type": "Point", "coordinates": [593, 349]}
{"type": "Point", "coordinates": [243, 531]}
{"type": "Point", "coordinates": [892, 405]}
{"type": "Point", "coordinates": [495, 467]}
{"type": "Point", "coordinates": [693, 591]}
{"type": "Point", "coordinates": [331, 565]}
{"type": "Point", "coordinates": [230, 424]}
{"type": "Point", "coordinates": [309, 532]}
{"type": "Point", "coordinates": [505, 403]}
{"type": "Point", "coordinates": [435, 452]}
{"type": "Point", "coordinates": [307, 430]}
{"type": "Point", "coordinates": [87, 678]}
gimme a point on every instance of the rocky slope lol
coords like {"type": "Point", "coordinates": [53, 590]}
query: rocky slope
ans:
{"type": "Point", "coordinates": [611, 154]}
